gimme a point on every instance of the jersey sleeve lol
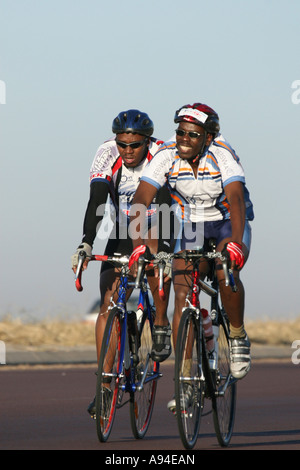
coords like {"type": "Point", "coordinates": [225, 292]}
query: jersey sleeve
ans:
{"type": "Point", "coordinates": [228, 162]}
{"type": "Point", "coordinates": [100, 177]}
{"type": "Point", "coordinates": [157, 170]}
{"type": "Point", "coordinates": [101, 169]}
{"type": "Point", "coordinates": [94, 211]}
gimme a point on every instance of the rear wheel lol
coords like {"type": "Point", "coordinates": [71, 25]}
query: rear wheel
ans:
{"type": "Point", "coordinates": [188, 382]}
{"type": "Point", "coordinates": [142, 400]}
{"type": "Point", "coordinates": [109, 375]}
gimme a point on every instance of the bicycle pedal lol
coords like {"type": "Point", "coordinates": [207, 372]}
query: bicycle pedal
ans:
{"type": "Point", "coordinates": [172, 410]}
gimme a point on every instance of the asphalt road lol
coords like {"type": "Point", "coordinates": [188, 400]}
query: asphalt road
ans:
{"type": "Point", "coordinates": [45, 409]}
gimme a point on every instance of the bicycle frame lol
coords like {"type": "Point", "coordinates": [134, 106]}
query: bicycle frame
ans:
{"type": "Point", "coordinates": [125, 284]}
{"type": "Point", "coordinates": [130, 385]}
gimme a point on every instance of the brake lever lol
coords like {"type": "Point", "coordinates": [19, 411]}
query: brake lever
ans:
{"type": "Point", "coordinates": [81, 259]}
{"type": "Point", "coordinates": [228, 273]}
{"type": "Point", "coordinates": [232, 281]}
{"type": "Point", "coordinates": [140, 269]}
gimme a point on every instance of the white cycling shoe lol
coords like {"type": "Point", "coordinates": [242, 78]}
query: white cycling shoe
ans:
{"type": "Point", "coordinates": [240, 359]}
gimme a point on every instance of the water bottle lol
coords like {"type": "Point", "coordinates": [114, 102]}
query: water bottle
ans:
{"type": "Point", "coordinates": [208, 330]}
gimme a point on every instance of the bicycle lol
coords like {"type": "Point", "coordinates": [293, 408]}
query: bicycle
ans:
{"type": "Point", "coordinates": [125, 363]}
{"type": "Point", "coordinates": [200, 374]}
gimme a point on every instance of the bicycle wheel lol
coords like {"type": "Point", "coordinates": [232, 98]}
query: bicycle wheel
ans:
{"type": "Point", "coordinates": [188, 384]}
{"type": "Point", "coordinates": [108, 378]}
{"type": "Point", "coordinates": [145, 376]}
{"type": "Point", "coordinates": [224, 402]}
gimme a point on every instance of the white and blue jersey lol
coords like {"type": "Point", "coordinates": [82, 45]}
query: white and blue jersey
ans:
{"type": "Point", "coordinates": [201, 198]}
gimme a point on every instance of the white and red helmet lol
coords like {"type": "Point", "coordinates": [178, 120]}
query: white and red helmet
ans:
{"type": "Point", "coordinates": [199, 114]}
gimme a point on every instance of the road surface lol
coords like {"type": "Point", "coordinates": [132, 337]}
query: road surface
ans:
{"type": "Point", "coordinates": [45, 409]}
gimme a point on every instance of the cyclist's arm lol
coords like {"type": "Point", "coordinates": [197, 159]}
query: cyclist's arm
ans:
{"type": "Point", "coordinates": [235, 195]}
{"type": "Point", "coordinates": [143, 197]}
{"type": "Point", "coordinates": [165, 220]}
{"type": "Point", "coordinates": [98, 197]}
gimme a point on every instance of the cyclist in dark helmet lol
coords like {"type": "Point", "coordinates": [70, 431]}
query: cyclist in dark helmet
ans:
{"type": "Point", "coordinates": [207, 182]}
{"type": "Point", "coordinates": [133, 121]}
{"type": "Point", "coordinates": [115, 172]}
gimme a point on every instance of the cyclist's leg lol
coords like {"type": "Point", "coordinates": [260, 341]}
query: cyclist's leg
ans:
{"type": "Point", "coordinates": [181, 285]}
{"type": "Point", "coordinates": [182, 282]}
{"type": "Point", "coordinates": [109, 281]}
{"type": "Point", "coordinates": [161, 305]}
{"type": "Point", "coordinates": [189, 237]}
{"type": "Point", "coordinates": [233, 303]}
{"type": "Point", "coordinates": [161, 333]}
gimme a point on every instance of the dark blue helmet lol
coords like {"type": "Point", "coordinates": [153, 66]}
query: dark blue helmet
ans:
{"type": "Point", "coordinates": [133, 121]}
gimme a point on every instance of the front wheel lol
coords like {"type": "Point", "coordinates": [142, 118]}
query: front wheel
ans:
{"type": "Point", "coordinates": [224, 403]}
{"type": "Point", "coordinates": [108, 378]}
{"type": "Point", "coordinates": [142, 400]}
{"type": "Point", "coordinates": [188, 380]}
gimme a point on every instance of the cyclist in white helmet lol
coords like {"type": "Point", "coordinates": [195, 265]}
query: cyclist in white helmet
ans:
{"type": "Point", "coordinates": [116, 171]}
{"type": "Point", "coordinates": [207, 183]}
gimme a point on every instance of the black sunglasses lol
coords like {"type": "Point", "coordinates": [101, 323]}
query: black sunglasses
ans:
{"type": "Point", "coordinates": [192, 135]}
{"type": "Point", "coordinates": [133, 145]}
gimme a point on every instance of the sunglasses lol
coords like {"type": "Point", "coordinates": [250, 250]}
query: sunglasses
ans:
{"type": "Point", "coordinates": [133, 145]}
{"type": "Point", "coordinates": [192, 135]}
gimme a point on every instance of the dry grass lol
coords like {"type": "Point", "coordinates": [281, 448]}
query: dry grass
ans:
{"type": "Point", "coordinates": [59, 333]}
{"type": "Point", "coordinates": [47, 333]}
{"type": "Point", "coordinates": [274, 332]}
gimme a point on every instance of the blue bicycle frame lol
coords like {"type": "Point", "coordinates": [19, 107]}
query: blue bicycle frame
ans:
{"type": "Point", "coordinates": [130, 385]}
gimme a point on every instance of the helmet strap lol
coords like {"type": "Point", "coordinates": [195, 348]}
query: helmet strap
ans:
{"type": "Point", "coordinates": [197, 158]}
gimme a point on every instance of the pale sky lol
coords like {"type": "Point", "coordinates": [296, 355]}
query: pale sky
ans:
{"type": "Point", "coordinates": [68, 67]}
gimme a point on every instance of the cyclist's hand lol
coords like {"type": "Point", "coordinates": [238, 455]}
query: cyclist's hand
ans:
{"type": "Point", "coordinates": [134, 257]}
{"type": "Point", "coordinates": [74, 258]}
{"type": "Point", "coordinates": [167, 268]}
{"type": "Point", "coordinates": [236, 254]}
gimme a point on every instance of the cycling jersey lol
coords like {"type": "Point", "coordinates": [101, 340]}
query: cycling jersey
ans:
{"type": "Point", "coordinates": [108, 175]}
{"type": "Point", "coordinates": [201, 198]}
{"type": "Point", "coordinates": [108, 167]}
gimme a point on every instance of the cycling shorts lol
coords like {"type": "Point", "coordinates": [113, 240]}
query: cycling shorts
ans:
{"type": "Point", "coordinates": [197, 234]}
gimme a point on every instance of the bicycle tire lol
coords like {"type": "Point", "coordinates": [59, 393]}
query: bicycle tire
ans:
{"type": "Point", "coordinates": [225, 400]}
{"type": "Point", "coordinates": [188, 372]}
{"type": "Point", "coordinates": [108, 377]}
{"type": "Point", "coordinates": [142, 400]}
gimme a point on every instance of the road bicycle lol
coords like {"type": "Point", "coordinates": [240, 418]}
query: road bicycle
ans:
{"type": "Point", "coordinates": [201, 374]}
{"type": "Point", "coordinates": [125, 364]}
